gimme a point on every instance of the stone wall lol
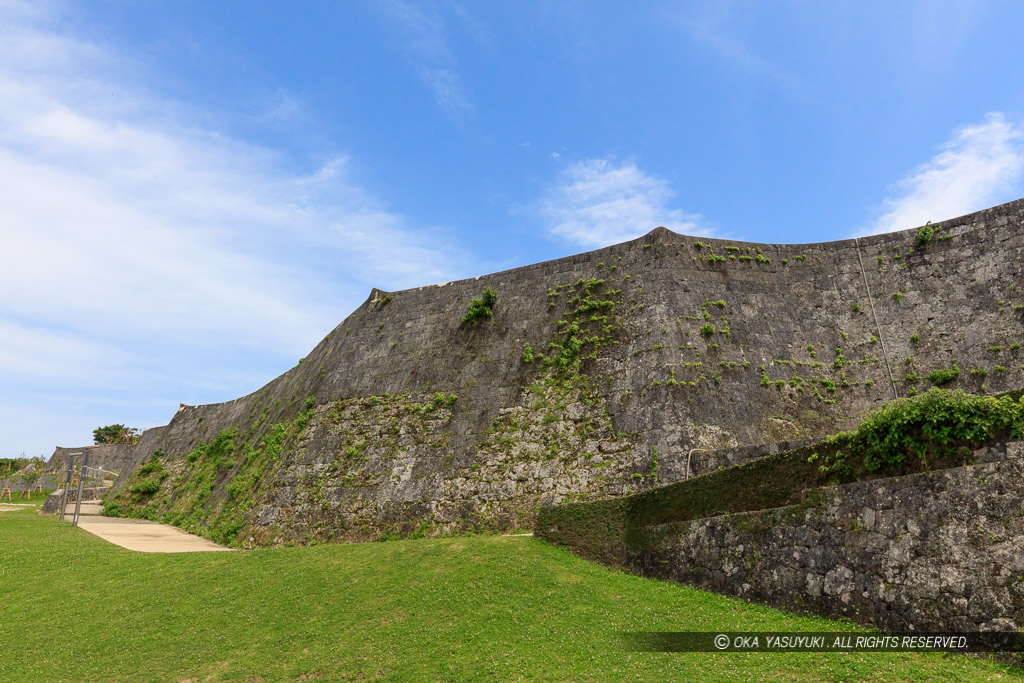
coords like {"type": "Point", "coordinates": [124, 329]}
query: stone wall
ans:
{"type": "Point", "coordinates": [709, 344]}
{"type": "Point", "coordinates": [112, 457]}
{"type": "Point", "coordinates": [51, 506]}
{"type": "Point", "coordinates": [939, 551]}
{"type": "Point", "coordinates": [388, 470]}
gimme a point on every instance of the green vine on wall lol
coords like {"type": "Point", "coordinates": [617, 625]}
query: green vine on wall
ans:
{"type": "Point", "coordinates": [590, 325]}
{"type": "Point", "coordinates": [187, 501]}
{"type": "Point", "coordinates": [481, 308]}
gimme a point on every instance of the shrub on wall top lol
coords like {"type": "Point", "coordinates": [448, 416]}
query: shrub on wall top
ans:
{"type": "Point", "coordinates": [932, 421]}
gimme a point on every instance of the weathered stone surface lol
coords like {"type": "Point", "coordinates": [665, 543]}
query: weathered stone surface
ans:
{"type": "Point", "coordinates": [114, 457]}
{"type": "Point", "coordinates": [51, 506]}
{"type": "Point", "coordinates": [949, 556]}
{"type": "Point", "coordinates": [788, 358]}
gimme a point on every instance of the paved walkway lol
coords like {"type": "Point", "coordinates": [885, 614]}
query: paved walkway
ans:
{"type": "Point", "coordinates": [138, 534]}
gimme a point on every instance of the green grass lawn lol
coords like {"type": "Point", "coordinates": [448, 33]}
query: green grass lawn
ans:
{"type": "Point", "coordinates": [483, 608]}
{"type": "Point", "coordinates": [36, 499]}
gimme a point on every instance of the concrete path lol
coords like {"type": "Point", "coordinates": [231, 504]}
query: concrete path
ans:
{"type": "Point", "coordinates": [89, 507]}
{"type": "Point", "coordinates": [138, 534]}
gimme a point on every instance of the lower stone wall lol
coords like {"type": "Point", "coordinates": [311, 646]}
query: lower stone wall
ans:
{"type": "Point", "coordinates": [362, 469]}
{"type": "Point", "coordinates": [115, 457]}
{"type": "Point", "coordinates": [393, 465]}
{"type": "Point", "coordinates": [702, 461]}
{"type": "Point", "coordinates": [937, 551]}
{"type": "Point", "coordinates": [51, 506]}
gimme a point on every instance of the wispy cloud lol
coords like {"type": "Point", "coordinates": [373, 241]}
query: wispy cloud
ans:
{"type": "Point", "coordinates": [736, 52]}
{"type": "Point", "coordinates": [427, 42]}
{"type": "Point", "coordinates": [136, 239]}
{"type": "Point", "coordinates": [282, 108]}
{"type": "Point", "coordinates": [598, 202]}
{"type": "Point", "coordinates": [979, 166]}
{"type": "Point", "coordinates": [715, 32]}
{"type": "Point", "coordinates": [448, 90]}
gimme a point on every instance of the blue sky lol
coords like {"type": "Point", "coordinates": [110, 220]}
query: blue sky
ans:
{"type": "Point", "coordinates": [195, 193]}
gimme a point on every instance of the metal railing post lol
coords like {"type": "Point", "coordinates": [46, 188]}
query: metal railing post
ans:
{"type": "Point", "coordinates": [81, 487]}
{"type": "Point", "coordinates": [67, 484]}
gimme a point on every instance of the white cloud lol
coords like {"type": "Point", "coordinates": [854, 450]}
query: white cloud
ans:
{"type": "Point", "coordinates": [735, 51]}
{"type": "Point", "coordinates": [425, 30]}
{"type": "Point", "coordinates": [448, 90]}
{"type": "Point", "coordinates": [70, 429]}
{"type": "Point", "coordinates": [981, 165]}
{"type": "Point", "coordinates": [36, 354]}
{"type": "Point", "coordinates": [597, 203]}
{"type": "Point", "coordinates": [136, 237]}
{"type": "Point", "coordinates": [427, 41]}
{"type": "Point", "coordinates": [715, 30]}
{"type": "Point", "coordinates": [282, 108]}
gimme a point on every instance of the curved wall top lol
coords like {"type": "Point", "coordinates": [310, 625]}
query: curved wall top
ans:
{"type": "Point", "coordinates": [806, 338]}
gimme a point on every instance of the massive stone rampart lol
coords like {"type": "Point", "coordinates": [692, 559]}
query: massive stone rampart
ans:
{"type": "Point", "coordinates": [405, 419]}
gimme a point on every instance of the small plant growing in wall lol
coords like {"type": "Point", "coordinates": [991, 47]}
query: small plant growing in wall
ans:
{"type": "Point", "coordinates": [925, 234]}
{"type": "Point", "coordinates": [480, 308]}
{"type": "Point", "coordinates": [145, 487]}
{"type": "Point", "coordinates": [944, 375]}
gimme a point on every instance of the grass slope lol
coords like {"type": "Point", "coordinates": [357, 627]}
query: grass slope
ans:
{"type": "Point", "coordinates": [469, 608]}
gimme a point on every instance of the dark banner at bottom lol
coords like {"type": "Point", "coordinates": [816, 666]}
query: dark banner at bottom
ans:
{"type": "Point", "coordinates": [784, 641]}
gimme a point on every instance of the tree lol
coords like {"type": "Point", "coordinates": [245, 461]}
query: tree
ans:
{"type": "Point", "coordinates": [115, 434]}
{"type": "Point", "coordinates": [8, 465]}
{"type": "Point", "coordinates": [30, 474]}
